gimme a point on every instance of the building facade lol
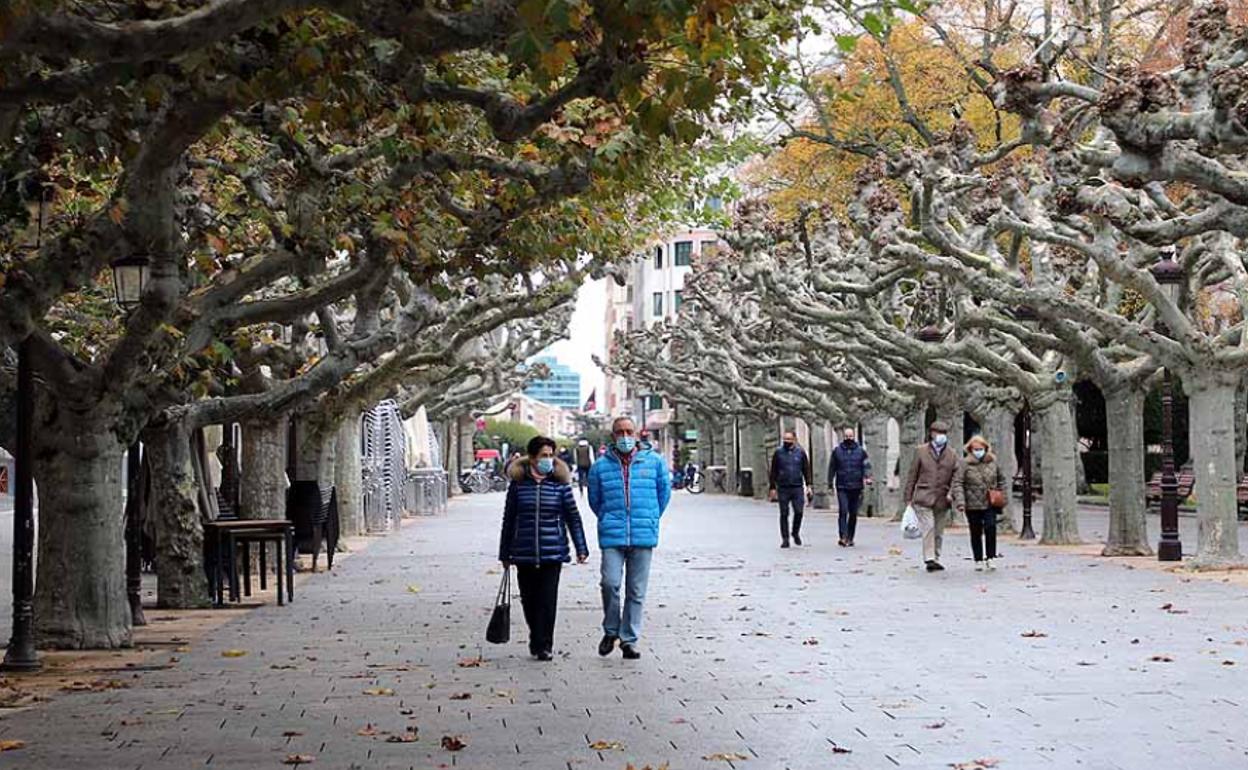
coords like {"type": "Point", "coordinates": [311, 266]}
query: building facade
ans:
{"type": "Point", "coordinates": [561, 389]}
{"type": "Point", "coordinates": [548, 419]}
{"type": "Point", "coordinates": [653, 293]}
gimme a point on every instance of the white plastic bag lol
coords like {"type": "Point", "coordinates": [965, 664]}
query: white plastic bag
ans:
{"type": "Point", "coordinates": [910, 528]}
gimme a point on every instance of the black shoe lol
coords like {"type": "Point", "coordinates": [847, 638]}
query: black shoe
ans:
{"type": "Point", "coordinates": [849, 543]}
{"type": "Point", "coordinates": [784, 544]}
{"type": "Point", "coordinates": [607, 645]}
{"type": "Point", "coordinates": [544, 655]}
{"type": "Point", "coordinates": [934, 566]}
{"type": "Point", "coordinates": [630, 652]}
{"type": "Point", "coordinates": [797, 539]}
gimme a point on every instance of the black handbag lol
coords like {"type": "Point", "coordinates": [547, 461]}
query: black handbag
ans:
{"type": "Point", "coordinates": [499, 630]}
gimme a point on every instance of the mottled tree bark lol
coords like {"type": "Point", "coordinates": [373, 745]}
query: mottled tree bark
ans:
{"type": "Point", "coordinates": [1128, 525]}
{"type": "Point", "coordinates": [262, 494]}
{"type": "Point", "coordinates": [1212, 400]}
{"type": "Point", "coordinates": [1061, 501]}
{"type": "Point", "coordinates": [181, 582]}
{"type": "Point", "coordinates": [347, 476]}
{"type": "Point", "coordinates": [821, 445]}
{"type": "Point", "coordinates": [874, 439]}
{"type": "Point", "coordinates": [80, 588]}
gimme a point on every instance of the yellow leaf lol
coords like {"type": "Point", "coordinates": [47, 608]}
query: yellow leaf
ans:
{"type": "Point", "coordinates": [732, 757]}
{"type": "Point", "coordinates": [413, 589]}
{"type": "Point", "coordinates": [12, 745]}
{"type": "Point", "coordinates": [379, 691]}
{"type": "Point", "coordinates": [233, 653]}
{"type": "Point", "coordinates": [607, 746]}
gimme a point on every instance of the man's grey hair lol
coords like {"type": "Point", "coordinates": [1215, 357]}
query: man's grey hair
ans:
{"type": "Point", "coordinates": [622, 418]}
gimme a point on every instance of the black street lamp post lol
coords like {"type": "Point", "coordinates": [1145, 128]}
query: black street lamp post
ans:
{"type": "Point", "coordinates": [20, 655]}
{"type": "Point", "coordinates": [130, 277]}
{"type": "Point", "coordinates": [1170, 275]}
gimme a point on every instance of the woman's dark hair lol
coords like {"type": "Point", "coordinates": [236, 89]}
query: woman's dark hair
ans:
{"type": "Point", "coordinates": [537, 442]}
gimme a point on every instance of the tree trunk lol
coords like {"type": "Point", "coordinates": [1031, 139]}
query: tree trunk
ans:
{"type": "Point", "coordinates": [80, 588]}
{"type": "Point", "coordinates": [1061, 500]}
{"type": "Point", "coordinates": [875, 441]}
{"type": "Point", "coordinates": [1241, 423]}
{"type": "Point", "coordinates": [1128, 526]}
{"type": "Point", "coordinates": [952, 413]}
{"type": "Point", "coordinates": [263, 485]}
{"type": "Point", "coordinates": [348, 478]}
{"type": "Point", "coordinates": [911, 434]}
{"type": "Point", "coordinates": [820, 451]}
{"type": "Point", "coordinates": [998, 427]}
{"type": "Point", "coordinates": [1212, 401]}
{"type": "Point", "coordinates": [181, 582]}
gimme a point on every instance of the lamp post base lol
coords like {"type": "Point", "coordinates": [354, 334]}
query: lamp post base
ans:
{"type": "Point", "coordinates": [1170, 550]}
{"type": "Point", "coordinates": [1028, 533]}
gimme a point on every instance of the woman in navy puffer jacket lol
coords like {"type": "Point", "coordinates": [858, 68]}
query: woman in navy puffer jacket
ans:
{"type": "Point", "coordinates": [539, 514]}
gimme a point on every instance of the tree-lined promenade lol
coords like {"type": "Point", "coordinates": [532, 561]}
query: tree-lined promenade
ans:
{"type": "Point", "coordinates": [1073, 216]}
{"type": "Point", "coordinates": [318, 204]}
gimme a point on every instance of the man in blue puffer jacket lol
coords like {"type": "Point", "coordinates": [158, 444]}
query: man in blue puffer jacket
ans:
{"type": "Point", "coordinates": [629, 489]}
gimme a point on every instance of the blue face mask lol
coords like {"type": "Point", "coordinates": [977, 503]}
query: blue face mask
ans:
{"type": "Point", "coordinates": [545, 465]}
{"type": "Point", "coordinates": [625, 444]}
{"type": "Point", "coordinates": [939, 440]}
{"type": "Point", "coordinates": [979, 453]}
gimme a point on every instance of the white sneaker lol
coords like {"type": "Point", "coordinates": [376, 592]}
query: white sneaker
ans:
{"type": "Point", "coordinates": [991, 567]}
{"type": "Point", "coordinates": [979, 566]}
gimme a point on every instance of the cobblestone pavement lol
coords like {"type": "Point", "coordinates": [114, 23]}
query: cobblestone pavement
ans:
{"type": "Point", "coordinates": [813, 658]}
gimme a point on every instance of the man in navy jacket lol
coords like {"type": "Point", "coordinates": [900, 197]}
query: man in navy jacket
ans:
{"type": "Point", "coordinates": [849, 469]}
{"type": "Point", "coordinates": [789, 482]}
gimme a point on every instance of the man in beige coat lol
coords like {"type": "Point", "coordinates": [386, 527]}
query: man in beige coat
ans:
{"type": "Point", "coordinates": [929, 490]}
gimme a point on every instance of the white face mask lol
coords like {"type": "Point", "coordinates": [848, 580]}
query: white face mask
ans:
{"type": "Point", "coordinates": [979, 452]}
{"type": "Point", "coordinates": [940, 439]}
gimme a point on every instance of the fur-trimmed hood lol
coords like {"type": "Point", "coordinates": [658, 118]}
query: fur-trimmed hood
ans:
{"type": "Point", "coordinates": [520, 470]}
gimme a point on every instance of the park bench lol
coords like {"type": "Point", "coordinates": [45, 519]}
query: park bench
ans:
{"type": "Point", "coordinates": [1186, 478]}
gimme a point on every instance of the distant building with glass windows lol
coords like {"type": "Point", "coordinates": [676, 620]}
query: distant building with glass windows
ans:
{"type": "Point", "coordinates": [562, 388]}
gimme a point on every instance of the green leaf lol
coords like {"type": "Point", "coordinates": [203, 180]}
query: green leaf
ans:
{"type": "Point", "coordinates": [874, 24]}
{"type": "Point", "coordinates": [847, 43]}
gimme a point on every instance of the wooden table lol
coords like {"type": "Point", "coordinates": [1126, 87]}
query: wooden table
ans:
{"type": "Point", "coordinates": [230, 533]}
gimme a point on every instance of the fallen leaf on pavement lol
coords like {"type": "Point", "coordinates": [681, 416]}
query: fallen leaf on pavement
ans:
{"type": "Point", "coordinates": [298, 759]}
{"type": "Point", "coordinates": [731, 757]}
{"type": "Point", "coordinates": [402, 738]}
{"type": "Point", "coordinates": [12, 745]}
{"type": "Point", "coordinates": [453, 743]}
{"type": "Point", "coordinates": [379, 691]}
{"type": "Point", "coordinates": [367, 730]}
{"type": "Point", "coordinates": [291, 734]}
{"type": "Point", "coordinates": [841, 750]}
{"type": "Point", "coordinates": [1228, 662]}
{"type": "Point", "coordinates": [811, 642]}
{"type": "Point", "coordinates": [99, 685]}
{"type": "Point", "coordinates": [461, 696]}
{"type": "Point", "coordinates": [976, 764]}
{"type": "Point", "coordinates": [607, 746]}
{"type": "Point", "coordinates": [935, 725]}
{"type": "Point", "coordinates": [413, 589]}
{"type": "Point", "coordinates": [233, 653]}
{"type": "Point", "coordinates": [470, 662]}
{"type": "Point", "coordinates": [1033, 635]}
{"type": "Point", "coordinates": [1161, 659]}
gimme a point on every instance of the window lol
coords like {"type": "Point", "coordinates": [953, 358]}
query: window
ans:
{"type": "Point", "coordinates": [715, 203]}
{"type": "Point", "coordinates": [684, 253]}
{"type": "Point", "coordinates": [629, 294]}
{"type": "Point", "coordinates": [658, 303]}
{"type": "Point", "coordinates": [678, 300]}
{"type": "Point", "coordinates": [658, 257]}
{"type": "Point", "coordinates": [654, 402]}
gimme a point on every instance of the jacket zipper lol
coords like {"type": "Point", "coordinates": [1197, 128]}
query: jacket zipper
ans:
{"type": "Point", "coordinates": [628, 504]}
{"type": "Point", "coordinates": [537, 526]}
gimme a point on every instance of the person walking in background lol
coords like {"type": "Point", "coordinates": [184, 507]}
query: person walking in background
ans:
{"type": "Point", "coordinates": [789, 482]}
{"type": "Point", "coordinates": [929, 488]}
{"type": "Point", "coordinates": [849, 470]}
{"type": "Point", "coordinates": [629, 489]}
{"type": "Point", "coordinates": [978, 480]}
{"type": "Point", "coordinates": [538, 516]}
{"type": "Point", "coordinates": [584, 457]}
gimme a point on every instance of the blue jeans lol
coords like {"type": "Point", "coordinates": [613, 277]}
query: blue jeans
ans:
{"type": "Point", "coordinates": [626, 625]}
{"type": "Point", "coordinates": [847, 502]}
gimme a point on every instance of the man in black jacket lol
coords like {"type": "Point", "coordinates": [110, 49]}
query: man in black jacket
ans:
{"type": "Point", "coordinates": [849, 470]}
{"type": "Point", "coordinates": [789, 482]}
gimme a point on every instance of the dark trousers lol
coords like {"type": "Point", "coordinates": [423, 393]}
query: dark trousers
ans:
{"type": "Point", "coordinates": [795, 497]}
{"type": "Point", "coordinates": [539, 594]}
{"type": "Point", "coordinates": [582, 478]}
{"type": "Point", "coordinates": [847, 502]}
{"type": "Point", "coordinates": [983, 532]}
